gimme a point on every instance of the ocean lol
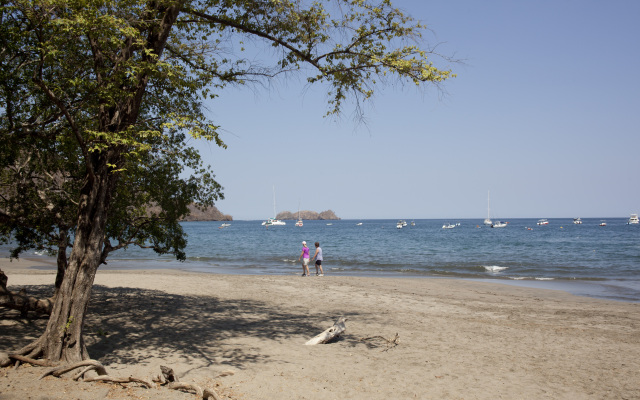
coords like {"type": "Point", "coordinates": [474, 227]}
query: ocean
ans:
{"type": "Point", "coordinates": [586, 259]}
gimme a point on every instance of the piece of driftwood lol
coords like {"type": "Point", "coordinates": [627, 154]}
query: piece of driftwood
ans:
{"type": "Point", "coordinates": [330, 335]}
{"type": "Point", "coordinates": [391, 343]}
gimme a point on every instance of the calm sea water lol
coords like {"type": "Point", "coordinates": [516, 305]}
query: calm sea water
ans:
{"type": "Point", "coordinates": [584, 259]}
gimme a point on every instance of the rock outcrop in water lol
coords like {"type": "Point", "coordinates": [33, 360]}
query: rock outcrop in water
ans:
{"type": "Point", "coordinates": [210, 214]}
{"type": "Point", "coordinates": [308, 215]}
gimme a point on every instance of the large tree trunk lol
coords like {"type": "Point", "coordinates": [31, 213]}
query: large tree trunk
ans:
{"type": "Point", "coordinates": [62, 339]}
{"type": "Point", "coordinates": [63, 242]}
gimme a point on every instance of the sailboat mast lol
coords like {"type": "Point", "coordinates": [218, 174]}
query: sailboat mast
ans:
{"type": "Point", "coordinates": [274, 202]}
{"type": "Point", "coordinates": [488, 206]}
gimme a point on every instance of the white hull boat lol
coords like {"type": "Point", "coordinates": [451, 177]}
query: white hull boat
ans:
{"type": "Point", "coordinates": [273, 221]}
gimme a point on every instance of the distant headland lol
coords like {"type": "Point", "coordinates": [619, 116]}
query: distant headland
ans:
{"type": "Point", "coordinates": [213, 214]}
{"type": "Point", "coordinates": [308, 215]}
{"type": "Point", "coordinates": [210, 214]}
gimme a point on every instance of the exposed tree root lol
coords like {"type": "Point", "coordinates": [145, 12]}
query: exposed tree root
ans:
{"type": "Point", "coordinates": [29, 360]}
{"type": "Point", "coordinates": [168, 378]}
{"type": "Point", "coordinates": [21, 301]}
{"type": "Point", "coordinates": [391, 343]}
{"type": "Point", "coordinates": [93, 364]}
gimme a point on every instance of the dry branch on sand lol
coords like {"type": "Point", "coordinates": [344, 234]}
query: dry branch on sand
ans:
{"type": "Point", "coordinates": [391, 343]}
{"type": "Point", "coordinates": [167, 379]}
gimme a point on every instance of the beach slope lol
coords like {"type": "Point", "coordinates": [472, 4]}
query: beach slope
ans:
{"type": "Point", "coordinates": [244, 336]}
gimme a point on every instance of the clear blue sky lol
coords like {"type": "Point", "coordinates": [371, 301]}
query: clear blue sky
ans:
{"type": "Point", "coordinates": [544, 113]}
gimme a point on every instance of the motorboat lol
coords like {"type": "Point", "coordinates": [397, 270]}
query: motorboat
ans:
{"type": "Point", "coordinates": [413, 223]}
{"type": "Point", "coordinates": [577, 221]}
{"type": "Point", "coordinates": [543, 221]}
{"type": "Point", "coordinates": [399, 225]}
{"type": "Point", "coordinates": [449, 226]}
{"type": "Point", "coordinates": [633, 220]}
{"type": "Point", "coordinates": [359, 224]}
{"type": "Point", "coordinates": [499, 224]}
{"type": "Point", "coordinates": [603, 223]}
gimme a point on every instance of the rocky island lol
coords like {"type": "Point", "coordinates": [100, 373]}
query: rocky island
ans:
{"type": "Point", "coordinates": [308, 215]}
{"type": "Point", "coordinates": [210, 214]}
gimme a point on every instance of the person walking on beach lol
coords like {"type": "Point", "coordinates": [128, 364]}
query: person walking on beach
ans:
{"type": "Point", "coordinates": [305, 259]}
{"type": "Point", "coordinates": [318, 258]}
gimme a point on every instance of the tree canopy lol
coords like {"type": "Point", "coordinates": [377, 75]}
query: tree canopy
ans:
{"type": "Point", "coordinates": [99, 100]}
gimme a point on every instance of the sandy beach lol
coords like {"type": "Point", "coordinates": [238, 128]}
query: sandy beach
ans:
{"type": "Point", "coordinates": [244, 335]}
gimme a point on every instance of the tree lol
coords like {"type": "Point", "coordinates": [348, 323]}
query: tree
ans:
{"type": "Point", "coordinates": [98, 97]}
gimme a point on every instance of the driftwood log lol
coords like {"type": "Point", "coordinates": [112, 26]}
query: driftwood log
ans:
{"type": "Point", "coordinates": [330, 335]}
{"type": "Point", "coordinates": [21, 301]}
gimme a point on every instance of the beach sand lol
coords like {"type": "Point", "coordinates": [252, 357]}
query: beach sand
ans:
{"type": "Point", "coordinates": [244, 336]}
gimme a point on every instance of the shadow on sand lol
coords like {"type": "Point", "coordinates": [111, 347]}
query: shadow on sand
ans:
{"type": "Point", "coordinates": [125, 325]}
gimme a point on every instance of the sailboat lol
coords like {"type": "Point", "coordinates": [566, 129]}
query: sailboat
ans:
{"type": "Point", "coordinates": [299, 221]}
{"type": "Point", "coordinates": [273, 221]}
{"type": "Point", "coordinates": [487, 221]}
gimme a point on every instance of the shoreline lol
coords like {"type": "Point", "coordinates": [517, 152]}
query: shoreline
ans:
{"type": "Point", "coordinates": [622, 291]}
{"type": "Point", "coordinates": [244, 336]}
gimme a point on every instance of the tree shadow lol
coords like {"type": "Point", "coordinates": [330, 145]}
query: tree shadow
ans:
{"type": "Point", "coordinates": [125, 325]}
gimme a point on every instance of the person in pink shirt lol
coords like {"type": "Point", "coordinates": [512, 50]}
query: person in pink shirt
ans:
{"type": "Point", "coordinates": [305, 259]}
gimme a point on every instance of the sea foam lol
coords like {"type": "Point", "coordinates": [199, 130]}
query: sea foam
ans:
{"type": "Point", "coordinates": [494, 268]}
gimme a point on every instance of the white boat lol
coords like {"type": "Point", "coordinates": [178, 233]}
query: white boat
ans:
{"type": "Point", "coordinates": [487, 221]}
{"type": "Point", "coordinates": [359, 223]}
{"type": "Point", "coordinates": [577, 221]}
{"type": "Point", "coordinates": [499, 224]}
{"type": "Point", "coordinates": [413, 223]}
{"type": "Point", "coordinates": [225, 225]}
{"type": "Point", "coordinates": [449, 226]}
{"type": "Point", "coordinates": [299, 221]}
{"type": "Point", "coordinates": [633, 219]}
{"type": "Point", "coordinates": [603, 223]}
{"type": "Point", "coordinates": [273, 221]}
{"type": "Point", "coordinates": [543, 221]}
{"type": "Point", "coordinates": [399, 225]}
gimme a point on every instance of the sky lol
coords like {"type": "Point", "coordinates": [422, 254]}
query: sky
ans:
{"type": "Point", "coordinates": [544, 115]}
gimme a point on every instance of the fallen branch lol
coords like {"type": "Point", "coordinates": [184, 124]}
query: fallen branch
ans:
{"type": "Point", "coordinates": [330, 335]}
{"type": "Point", "coordinates": [107, 378]}
{"type": "Point", "coordinates": [390, 342]}
{"type": "Point", "coordinates": [21, 301]}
